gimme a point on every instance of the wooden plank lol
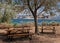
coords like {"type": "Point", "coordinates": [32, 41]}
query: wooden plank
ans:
{"type": "Point", "coordinates": [21, 34]}
{"type": "Point", "coordinates": [47, 29]}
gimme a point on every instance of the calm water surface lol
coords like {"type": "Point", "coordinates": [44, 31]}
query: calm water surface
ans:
{"type": "Point", "coordinates": [31, 20]}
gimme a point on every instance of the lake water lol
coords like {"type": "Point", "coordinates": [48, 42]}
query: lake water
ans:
{"type": "Point", "coordinates": [32, 20]}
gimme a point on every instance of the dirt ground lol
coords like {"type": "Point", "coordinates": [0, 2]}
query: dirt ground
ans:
{"type": "Point", "coordinates": [41, 38]}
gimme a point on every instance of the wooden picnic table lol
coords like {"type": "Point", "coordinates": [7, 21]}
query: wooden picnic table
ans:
{"type": "Point", "coordinates": [23, 33]}
{"type": "Point", "coordinates": [49, 28]}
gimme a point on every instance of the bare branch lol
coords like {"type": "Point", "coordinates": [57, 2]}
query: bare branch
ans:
{"type": "Point", "coordinates": [30, 7]}
{"type": "Point", "coordinates": [40, 5]}
{"type": "Point", "coordinates": [42, 11]}
{"type": "Point", "coordinates": [35, 1]}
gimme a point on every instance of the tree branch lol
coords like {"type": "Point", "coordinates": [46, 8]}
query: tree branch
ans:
{"type": "Point", "coordinates": [30, 7]}
{"type": "Point", "coordinates": [40, 5]}
{"type": "Point", "coordinates": [42, 11]}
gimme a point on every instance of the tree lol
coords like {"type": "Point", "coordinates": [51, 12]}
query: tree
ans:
{"type": "Point", "coordinates": [7, 12]}
{"type": "Point", "coordinates": [34, 5]}
{"type": "Point", "coordinates": [8, 1]}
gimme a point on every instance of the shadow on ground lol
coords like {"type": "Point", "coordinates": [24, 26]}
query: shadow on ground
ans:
{"type": "Point", "coordinates": [35, 39]}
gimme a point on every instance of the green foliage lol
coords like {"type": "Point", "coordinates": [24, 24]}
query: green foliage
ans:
{"type": "Point", "coordinates": [15, 24]}
{"type": "Point", "coordinates": [8, 13]}
{"type": "Point", "coordinates": [52, 14]}
{"type": "Point", "coordinates": [5, 17]}
{"type": "Point", "coordinates": [53, 23]}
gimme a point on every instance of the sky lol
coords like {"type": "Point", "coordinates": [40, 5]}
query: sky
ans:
{"type": "Point", "coordinates": [58, 4]}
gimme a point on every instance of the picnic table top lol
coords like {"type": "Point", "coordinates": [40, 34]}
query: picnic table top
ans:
{"type": "Point", "coordinates": [18, 29]}
{"type": "Point", "coordinates": [21, 34]}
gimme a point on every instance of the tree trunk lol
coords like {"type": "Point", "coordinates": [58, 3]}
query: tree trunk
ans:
{"type": "Point", "coordinates": [36, 28]}
{"type": "Point", "coordinates": [42, 29]}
